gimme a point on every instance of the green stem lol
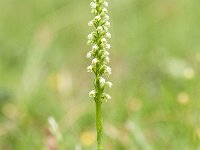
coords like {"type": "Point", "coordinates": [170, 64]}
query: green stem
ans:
{"type": "Point", "coordinates": [99, 120]}
{"type": "Point", "coordinates": [99, 123]}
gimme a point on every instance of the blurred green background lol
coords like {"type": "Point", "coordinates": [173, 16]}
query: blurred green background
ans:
{"type": "Point", "coordinates": [155, 59]}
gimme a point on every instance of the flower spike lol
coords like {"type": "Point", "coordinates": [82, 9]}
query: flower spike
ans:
{"type": "Point", "coordinates": [99, 56]}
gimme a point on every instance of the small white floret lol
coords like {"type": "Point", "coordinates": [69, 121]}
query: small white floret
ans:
{"type": "Point", "coordinates": [103, 40]}
{"type": "Point", "coordinates": [99, 28]}
{"type": "Point", "coordinates": [107, 59]}
{"type": "Point", "coordinates": [107, 96]}
{"type": "Point", "coordinates": [108, 35]}
{"type": "Point", "coordinates": [108, 70]}
{"type": "Point", "coordinates": [90, 36]}
{"type": "Point", "coordinates": [106, 53]}
{"type": "Point", "coordinates": [108, 46]}
{"type": "Point", "coordinates": [109, 84]}
{"type": "Point", "coordinates": [89, 69]}
{"type": "Point", "coordinates": [89, 42]}
{"type": "Point", "coordinates": [102, 81]}
{"type": "Point", "coordinates": [93, 5]}
{"type": "Point", "coordinates": [90, 23]}
{"type": "Point", "coordinates": [94, 61]}
{"type": "Point", "coordinates": [104, 10]}
{"type": "Point", "coordinates": [105, 4]}
{"type": "Point", "coordinates": [97, 18]}
{"type": "Point", "coordinates": [105, 28]}
{"type": "Point", "coordinates": [92, 93]}
{"type": "Point", "coordinates": [107, 23]}
{"type": "Point", "coordinates": [94, 11]}
{"type": "Point", "coordinates": [95, 47]}
{"type": "Point", "coordinates": [89, 55]}
{"type": "Point", "coordinates": [107, 17]}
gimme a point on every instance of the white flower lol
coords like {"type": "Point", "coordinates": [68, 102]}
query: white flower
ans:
{"type": "Point", "coordinates": [94, 61]}
{"type": "Point", "coordinates": [107, 96]}
{"type": "Point", "coordinates": [103, 40]}
{"type": "Point", "coordinates": [104, 10]}
{"type": "Point", "coordinates": [93, 5]}
{"type": "Point", "coordinates": [107, 17]}
{"type": "Point", "coordinates": [89, 54]}
{"type": "Point", "coordinates": [97, 18]}
{"type": "Point", "coordinates": [108, 35]}
{"type": "Point", "coordinates": [90, 36]}
{"type": "Point", "coordinates": [90, 23]}
{"type": "Point", "coordinates": [99, 28]}
{"type": "Point", "coordinates": [108, 46]}
{"type": "Point", "coordinates": [107, 23]}
{"type": "Point", "coordinates": [105, 4]}
{"type": "Point", "coordinates": [107, 59]}
{"type": "Point", "coordinates": [95, 47]}
{"type": "Point", "coordinates": [102, 81]}
{"type": "Point", "coordinates": [108, 70]}
{"type": "Point", "coordinates": [109, 84]}
{"type": "Point", "coordinates": [100, 48]}
{"type": "Point", "coordinates": [106, 53]}
{"type": "Point", "coordinates": [89, 69]}
{"type": "Point", "coordinates": [105, 28]}
{"type": "Point", "coordinates": [94, 11]}
{"type": "Point", "coordinates": [89, 42]}
{"type": "Point", "coordinates": [92, 93]}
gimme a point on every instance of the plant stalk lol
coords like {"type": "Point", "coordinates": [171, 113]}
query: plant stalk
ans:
{"type": "Point", "coordinates": [99, 123]}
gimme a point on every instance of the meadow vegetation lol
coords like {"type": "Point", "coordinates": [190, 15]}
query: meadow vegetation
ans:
{"type": "Point", "coordinates": [155, 61]}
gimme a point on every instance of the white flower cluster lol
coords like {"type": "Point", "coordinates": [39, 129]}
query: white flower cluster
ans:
{"type": "Point", "coordinates": [100, 48]}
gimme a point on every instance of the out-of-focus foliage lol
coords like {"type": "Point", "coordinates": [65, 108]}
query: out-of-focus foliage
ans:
{"type": "Point", "coordinates": [155, 59]}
